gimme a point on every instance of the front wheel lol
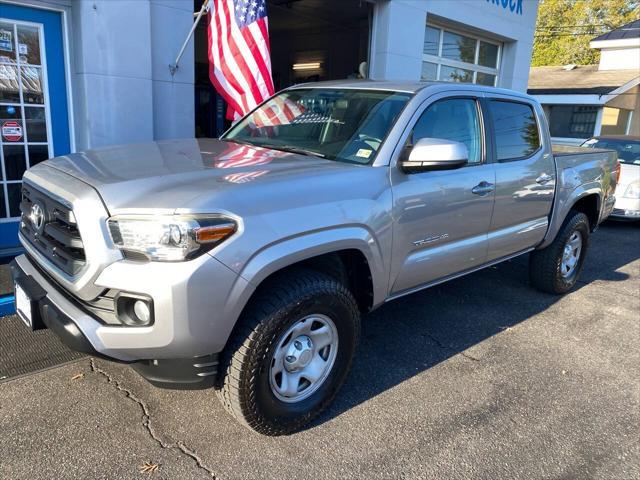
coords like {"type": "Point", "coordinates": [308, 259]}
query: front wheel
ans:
{"type": "Point", "coordinates": [290, 354]}
{"type": "Point", "coordinates": [556, 268]}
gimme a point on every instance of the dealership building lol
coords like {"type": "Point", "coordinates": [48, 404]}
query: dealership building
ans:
{"type": "Point", "coordinates": [84, 74]}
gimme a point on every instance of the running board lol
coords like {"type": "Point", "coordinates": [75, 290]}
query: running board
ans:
{"type": "Point", "coordinates": [456, 275]}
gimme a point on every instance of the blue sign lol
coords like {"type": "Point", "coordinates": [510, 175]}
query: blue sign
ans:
{"type": "Point", "coordinates": [514, 6]}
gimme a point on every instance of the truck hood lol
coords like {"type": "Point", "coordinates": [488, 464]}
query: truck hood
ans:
{"type": "Point", "coordinates": [189, 175]}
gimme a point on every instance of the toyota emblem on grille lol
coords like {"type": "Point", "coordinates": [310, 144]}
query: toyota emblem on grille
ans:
{"type": "Point", "coordinates": [36, 217]}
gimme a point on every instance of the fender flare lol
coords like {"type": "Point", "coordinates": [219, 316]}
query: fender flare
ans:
{"type": "Point", "coordinates": [562, 207]}
{"type": "Point", "coordinates": [289, 251]}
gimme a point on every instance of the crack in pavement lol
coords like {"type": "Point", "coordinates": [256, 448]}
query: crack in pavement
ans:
{"type": "Point", "coordinates": [146, 421]}
{"type": "Point", "coordinates": [451, 349]}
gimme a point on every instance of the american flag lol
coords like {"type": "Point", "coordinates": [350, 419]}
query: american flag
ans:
{"type": "Point", "coordinates": [239, 54]}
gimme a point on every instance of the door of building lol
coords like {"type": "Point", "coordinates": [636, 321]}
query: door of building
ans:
{"type": "Point", "coordinates": [34, 114]}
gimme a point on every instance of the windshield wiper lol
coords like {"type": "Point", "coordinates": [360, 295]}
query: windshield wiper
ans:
{"type": "Point", "coordinates": [301, 151]}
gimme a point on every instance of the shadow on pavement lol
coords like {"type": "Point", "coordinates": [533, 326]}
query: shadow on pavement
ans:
{"type": "Point", "coordinates": [410, 335]}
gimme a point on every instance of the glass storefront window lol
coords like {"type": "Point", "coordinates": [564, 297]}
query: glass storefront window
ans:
{"type": "Point", "coordinates": [488, 55]}
{"type": "Point", "coordinates": [459, 57]}
{"type": "Point", "coordinates": [431, 41]}
{"type": "Point", "coordinates": [429, 71]}
{"type": "Point", "coordinates": [458, 47]}
{"type": "Point", "coordinates": [452, 74]}
{"type": "Point", "coordinates": [24, 136]}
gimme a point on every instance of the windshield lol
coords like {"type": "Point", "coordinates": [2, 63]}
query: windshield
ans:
{"type": "Point", "coordinates": [628, 150]}
{"type": "Point", "coordinates": [343, 125]}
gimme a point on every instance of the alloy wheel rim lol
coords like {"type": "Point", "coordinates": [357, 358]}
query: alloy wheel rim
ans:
{"type": "Point", "coordinates": [303, 358]}
{"type": "Point", "coordinates": [571, 255]}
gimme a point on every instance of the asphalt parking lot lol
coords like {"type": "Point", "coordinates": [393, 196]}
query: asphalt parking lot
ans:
{"type": "Point", "coordinates": [479, 378]}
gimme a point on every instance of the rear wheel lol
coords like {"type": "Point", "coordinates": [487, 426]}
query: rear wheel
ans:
{"type": "Point", "coordinates": [556, 268]}
{"type": "Point", "coordinates": [290, 354]}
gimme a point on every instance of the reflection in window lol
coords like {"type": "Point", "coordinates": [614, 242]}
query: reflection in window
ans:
{"type": "Point", "coordinates": [28, 45]}
{"type": "Point", "coordinates": [32, 84]}
{"type": "Point", "coordinates": [485, 79]}
{"type": "Point", "coordinates": [451, 74]}
{"type": "Point", "coordinates": [429, 71]}
{"type": "Point", "coordinates": [516, 129]}
{"type": "Point", "coordinates": [458, 47]}
{"type": "Point", "coordinates": [488, 55]}
{"type": "Point", "coordinates": [431, 40]}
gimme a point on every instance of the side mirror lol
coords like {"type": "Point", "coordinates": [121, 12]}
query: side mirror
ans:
{"type": "Point", "coordinates": [434, 154]}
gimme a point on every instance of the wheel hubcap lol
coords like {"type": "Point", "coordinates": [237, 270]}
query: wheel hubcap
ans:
{"type": "Point", "coordinates": [303, 358]}
{"type": "Point", "coordinates": [571, 254]}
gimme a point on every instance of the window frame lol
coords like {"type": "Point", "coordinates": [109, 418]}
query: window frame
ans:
{"type": "Point", "coordinates": [440, 61]}
{"type": "Point", "coordinates": [484, 133]}
{"type": "Point", "coordinates": [494, 139]}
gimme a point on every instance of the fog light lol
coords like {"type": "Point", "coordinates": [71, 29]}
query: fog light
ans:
{"type": "Point", "coordinates": [134, 310]}
{"type": "Point", "coordinates": [141, 309]}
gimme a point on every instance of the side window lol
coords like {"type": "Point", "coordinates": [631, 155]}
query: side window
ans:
{"type": "Point", "coordinates": [515, 128]}
{"type": "Point", "coordinates": [455, 119]}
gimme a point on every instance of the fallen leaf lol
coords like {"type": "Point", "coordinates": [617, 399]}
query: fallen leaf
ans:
{"type": "Point", "coordinates": [77, 376]}
{"type": "Point", "coordinates": [148, 467]}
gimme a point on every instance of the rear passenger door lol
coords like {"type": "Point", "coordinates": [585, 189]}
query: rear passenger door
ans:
{"type": "Point", "coordinates": [525, 177]}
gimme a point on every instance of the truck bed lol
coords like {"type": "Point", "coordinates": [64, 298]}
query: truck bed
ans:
{"type": "Point", "coordinates": [563, 150]}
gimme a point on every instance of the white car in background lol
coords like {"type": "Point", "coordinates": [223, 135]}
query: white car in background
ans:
{"type": "Point", "coordinates": [627, 204]}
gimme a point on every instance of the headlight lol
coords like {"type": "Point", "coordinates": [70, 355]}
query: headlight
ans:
{"type": "Point", "coordinates": [170, 238]}
{"type": "Point", "coordinates": [632, 191]}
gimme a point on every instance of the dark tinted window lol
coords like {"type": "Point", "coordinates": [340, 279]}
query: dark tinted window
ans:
{"type": "Point", "coordinates": [456, 119]}
{"type": "Point", "coordinates": [515, 128]}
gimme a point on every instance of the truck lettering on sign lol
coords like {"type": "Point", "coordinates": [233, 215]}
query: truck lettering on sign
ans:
{"type": "Point", "coordinates": [514, 6]}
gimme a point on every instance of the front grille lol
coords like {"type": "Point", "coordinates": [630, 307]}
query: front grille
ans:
{"type": "Point", "coordinates": [50, 227]}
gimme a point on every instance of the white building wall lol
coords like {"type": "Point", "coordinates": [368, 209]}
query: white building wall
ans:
{"type": "Point", "coordinates": [397, 41]}
{"type": "Point", "coordinates": [619, 59]}
{"type": "Point", "coordinates": [122, 88]}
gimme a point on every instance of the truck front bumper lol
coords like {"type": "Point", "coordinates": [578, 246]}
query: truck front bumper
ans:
{"type": "Point", "coordinates": [173, 352]}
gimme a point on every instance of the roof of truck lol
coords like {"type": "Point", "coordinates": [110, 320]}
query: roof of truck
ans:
{"type": "Point", "coordinates": [408, 86]}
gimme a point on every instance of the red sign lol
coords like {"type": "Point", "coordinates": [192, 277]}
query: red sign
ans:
{"type": "Point", "coordinates": [11, 131]}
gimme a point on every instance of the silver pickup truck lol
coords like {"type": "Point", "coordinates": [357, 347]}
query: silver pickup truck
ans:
{"type": "Point", "coordinates": [245, 263]}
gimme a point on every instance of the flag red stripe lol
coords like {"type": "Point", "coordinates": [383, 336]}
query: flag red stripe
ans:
{"type": "Point", "coordinates": [218, 35]}
{"type": "Point", "coordinates": [265, 69]}
{"type": "Point", "coordinates": [229, 98]}
{"type": "Point", "coordinates": [240, 61]}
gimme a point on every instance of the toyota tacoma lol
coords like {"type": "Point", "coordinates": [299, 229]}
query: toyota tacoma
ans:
{"type": "Point", "coordinates": [245, 263]}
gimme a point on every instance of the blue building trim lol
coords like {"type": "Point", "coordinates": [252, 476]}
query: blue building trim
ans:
{"type": "Point", "coordinates": [7, 305]}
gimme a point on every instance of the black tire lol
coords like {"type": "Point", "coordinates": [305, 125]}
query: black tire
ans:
{"type": "Point", "coordinates": [545, 265]}
{"type": "Point", "coordinates": [244, 387]}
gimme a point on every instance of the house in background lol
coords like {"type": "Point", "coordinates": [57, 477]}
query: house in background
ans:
{"type": "Point", "coordinates": [582, 101]}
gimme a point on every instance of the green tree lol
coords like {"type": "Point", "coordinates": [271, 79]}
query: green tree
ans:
{"type": "Point", "coordinates": [565, 28]}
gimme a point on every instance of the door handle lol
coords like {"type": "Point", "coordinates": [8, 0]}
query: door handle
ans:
{"type": "Point", "coordinates": [483, 188]}
{"type": "Point", "coordinates": [544, 178]}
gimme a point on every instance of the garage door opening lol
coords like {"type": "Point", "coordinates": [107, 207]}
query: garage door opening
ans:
{"type": "Point", "coordinates": [311, 40]}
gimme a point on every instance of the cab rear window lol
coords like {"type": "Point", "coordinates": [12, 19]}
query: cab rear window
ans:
{"type": "Point", "coordinates": [516, 130]}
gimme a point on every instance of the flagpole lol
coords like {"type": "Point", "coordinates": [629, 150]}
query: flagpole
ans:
{"type": "Point", "coordinates": [173, 68]}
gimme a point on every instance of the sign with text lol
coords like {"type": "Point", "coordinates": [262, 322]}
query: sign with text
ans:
{"type": "Point", "coordinates": [514, 6]}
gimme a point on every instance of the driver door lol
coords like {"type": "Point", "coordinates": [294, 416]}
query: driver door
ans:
{"type": "Point", "coordinates": [442, 218]}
